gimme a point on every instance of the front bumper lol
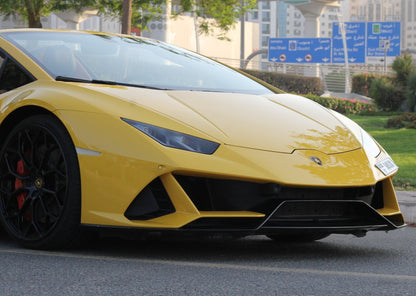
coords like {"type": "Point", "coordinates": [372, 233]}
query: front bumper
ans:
{"type": "Point", "coordinates": [223, 206]}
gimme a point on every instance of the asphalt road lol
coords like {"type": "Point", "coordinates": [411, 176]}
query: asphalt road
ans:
{"type": "Point", "coordinates": [378, 264]}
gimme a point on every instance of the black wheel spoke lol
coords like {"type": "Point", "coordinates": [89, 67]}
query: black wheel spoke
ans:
{"type": "Point", "coordinates": [48, 191]}
{"type": "Point", "coordinates": [27, 204]}
{"type": "Point", "coordinates": [48, 213]}
{"type": "Point", "coordinates": [38, 232]}
{"type": "Point", "coordinates": [55, 171]}
{"type": "Point", "coordinates": [46, 155]}
{"type": "Point", "coordinates": [11, 171]}
{"type": "Point", "coordinates": [22, 150]}
{"type": "Point", "coordinates": [26, 229]}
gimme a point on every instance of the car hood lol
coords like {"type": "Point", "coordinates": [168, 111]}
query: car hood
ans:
{"type": "Point", "coordinates": [276, 122]}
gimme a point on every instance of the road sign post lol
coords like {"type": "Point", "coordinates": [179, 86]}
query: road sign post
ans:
{"type": "Point", "coordinates": [385, 46]}
{"type": "Point", "coordinates": [300, 50]}
{"type": "Point", "coordinates": [383, 41]}
{"type": "Point", "coordinates": [351, 43]}
{"type": "Point", "coordinates": [355, 39]}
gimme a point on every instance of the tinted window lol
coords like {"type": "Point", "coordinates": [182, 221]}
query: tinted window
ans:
{"type": "Point", "coordinates": [1, 59]}
{"type": "Point", "coordinates": [11, 75]}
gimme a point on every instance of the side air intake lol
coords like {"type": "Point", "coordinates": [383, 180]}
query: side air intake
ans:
{"type": "Point", "coordinates": [152, 202]}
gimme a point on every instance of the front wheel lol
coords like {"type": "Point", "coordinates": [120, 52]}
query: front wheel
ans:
{"type": "Point", "coordinates": [40, 191]}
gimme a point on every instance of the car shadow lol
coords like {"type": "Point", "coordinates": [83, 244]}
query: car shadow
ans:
{"type": "Point", "coordinates": [226, 250]}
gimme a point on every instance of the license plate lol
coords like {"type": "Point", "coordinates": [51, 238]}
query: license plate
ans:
{"type": "Point", "coordinates": [387, 166]}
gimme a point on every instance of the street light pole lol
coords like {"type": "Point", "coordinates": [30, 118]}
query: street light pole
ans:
{"type": "Point", "coordinates": [343, 28]}
{"type": "Point", "coordinates": [242, 37]}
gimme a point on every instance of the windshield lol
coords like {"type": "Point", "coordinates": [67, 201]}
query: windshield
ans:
{"type": "Point", "coordinates": [99, 58]}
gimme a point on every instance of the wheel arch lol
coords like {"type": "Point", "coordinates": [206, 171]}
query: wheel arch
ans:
{"type": "Point", "coordinates": [18, 115]}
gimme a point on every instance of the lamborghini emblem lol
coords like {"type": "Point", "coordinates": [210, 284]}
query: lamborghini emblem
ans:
{"type": "Point", "coordinates": [316, 160]}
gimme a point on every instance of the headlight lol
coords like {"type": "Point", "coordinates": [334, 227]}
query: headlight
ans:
{"type": "Point", "coordinates": [370, 146]}
{"type": "Point", "coordinates": [174, 139]}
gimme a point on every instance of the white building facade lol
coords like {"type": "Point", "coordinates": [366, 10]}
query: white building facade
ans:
{"type": "Point", "coordinates": [403, 11]}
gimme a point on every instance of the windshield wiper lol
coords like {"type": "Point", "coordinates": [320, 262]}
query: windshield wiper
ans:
{"type": "Point", "coordinates": [97, 81]}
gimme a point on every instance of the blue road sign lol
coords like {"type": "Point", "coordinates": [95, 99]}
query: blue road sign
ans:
{"type": "Point", "coordinates": [377, 32]}
{"type": "Point", "coordinates": [356, 39]}
{"type": "Point", "coordinates": [300, 50]}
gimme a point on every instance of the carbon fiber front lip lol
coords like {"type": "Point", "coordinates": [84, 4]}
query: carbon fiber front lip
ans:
{"type": "Point", "coordinates": [264, 226]}
{"type": "Point", "coordinates": [320, 214]}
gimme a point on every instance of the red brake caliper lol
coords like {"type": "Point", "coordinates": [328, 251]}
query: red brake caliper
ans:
{"type": "Point", "coordinates": [21, 170]}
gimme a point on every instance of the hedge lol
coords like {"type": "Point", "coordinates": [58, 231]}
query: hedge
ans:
{"type": "Point", "coordinates": [312, 86]}
{"type": "Point", "coordinates": [290, 83]}
{"type": "Point", "coordinates": [361, 83]}
{"type": "Point", "coordinates": [407, 120]}
{"type": "Point", "coordinates": [343, 106]}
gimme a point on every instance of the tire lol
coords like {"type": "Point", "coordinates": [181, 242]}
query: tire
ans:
{"type": "Point", "coordinates": [40, 187]}
{"type": "Point", "coordinates": [299, 237]}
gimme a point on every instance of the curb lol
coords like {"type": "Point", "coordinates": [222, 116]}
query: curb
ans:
{"type": "Point", "coordinates": [407, 203]}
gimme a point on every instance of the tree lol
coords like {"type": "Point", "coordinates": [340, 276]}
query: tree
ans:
{"type": "Point", "coordinates": [32, 10]}
{"type": "Point", "coordinates": [142, 11]}
{"type": "Point", "coordinates": [211, 14]}
{"type": "Point", "coordinates": [403, 66]}
{"type": "Point", "coordinates": [221, 14]}
{"type": "Point", "coordinates": [126, 17]}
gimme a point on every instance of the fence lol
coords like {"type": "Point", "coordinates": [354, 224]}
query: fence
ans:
{"type": "Point", "coordinates": [333, 76]}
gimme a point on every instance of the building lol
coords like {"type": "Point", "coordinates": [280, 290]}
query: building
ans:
{"type": "Point", "coordinates": [403, 11]}
{"type": "Point", "coordinates": [12, 22]}
{"type": "Point", "coordinates": [182, 31]}
{"type": "Point", "coordinates": [408, 18]}
{"type": "Point", "coordinates": [94, 23]}
{"type": "Point", "coordinates": [375, 10]}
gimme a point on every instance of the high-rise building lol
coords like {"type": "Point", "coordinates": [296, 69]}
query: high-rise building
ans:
{"type": "Point", "coordinates": [408, 15]}
{"type": "Point", "coordinates": [403, 11]}
{"type": "Point", "coordinates": [375, 10]}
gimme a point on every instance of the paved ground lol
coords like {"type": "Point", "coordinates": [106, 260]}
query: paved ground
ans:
{"type": "Point", "coordinates": [407, 202]}
{"type": "Point", "coordinates": [381, 264]}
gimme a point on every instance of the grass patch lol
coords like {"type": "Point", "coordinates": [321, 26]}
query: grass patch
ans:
{"type": "Point", "coordinates": [399, 143]}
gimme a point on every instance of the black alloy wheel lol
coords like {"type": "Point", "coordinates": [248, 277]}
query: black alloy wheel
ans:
{"type": "Point", "coordinates": [40, 195]}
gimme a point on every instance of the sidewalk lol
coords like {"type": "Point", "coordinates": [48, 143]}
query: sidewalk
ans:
{"type": "Point", "coordinates": [407, 202]}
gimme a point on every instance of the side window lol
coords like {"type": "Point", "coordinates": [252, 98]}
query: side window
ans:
{"type": "Point", "coordinates": [11, 75]}
{"type": "Point", "coordinates": [1, 67]}
{"type": "Point", "coordinates": [1, 59]}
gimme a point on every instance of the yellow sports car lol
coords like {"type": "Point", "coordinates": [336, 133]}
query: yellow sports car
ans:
{"type": "Point", "coordinates": [107, 132]}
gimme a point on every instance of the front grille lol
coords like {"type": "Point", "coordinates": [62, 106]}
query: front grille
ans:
{"type": "Point", "coordinates": [284, 207]}
{"type": "Point", "coordinates": [210, 194]}
{"type": "Point", "coordinates": [229, 195]}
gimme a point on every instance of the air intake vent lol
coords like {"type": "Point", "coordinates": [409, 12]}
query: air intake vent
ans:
{"type": "Point", "coordinates": [152, 202]}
